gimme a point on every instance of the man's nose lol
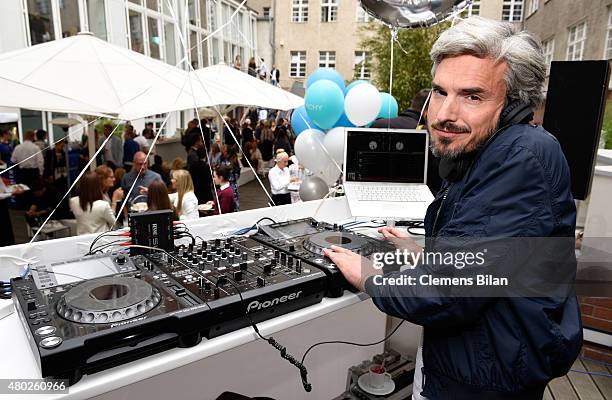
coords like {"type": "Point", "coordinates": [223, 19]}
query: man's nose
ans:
{"type": "Point", "coordinates": [448, 110]}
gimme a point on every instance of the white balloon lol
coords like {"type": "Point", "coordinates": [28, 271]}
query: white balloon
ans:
{"type": "Point", "coordinates": [313, 188]}
{"type": "Point", "coordinates": [309, 148]}
{"type": "Point", "coordinates": [329, 173]}
{"type": "Point", "coordinates": [334, 143]}
{"type": "Point", "coordinates": [362, 104]}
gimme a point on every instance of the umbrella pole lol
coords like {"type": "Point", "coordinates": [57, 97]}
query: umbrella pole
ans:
{"type": "Point", "coordinates": [91, 146]}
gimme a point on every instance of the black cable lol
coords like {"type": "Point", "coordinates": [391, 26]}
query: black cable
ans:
{"type": "Point", "coordinates": [107, 245]}
{"type": "Point", "coordinates": [282, 349]}
{"type": "Point", "coordinates": [265, 218]}
{"type": "Point", "coordinates": [107, 233]}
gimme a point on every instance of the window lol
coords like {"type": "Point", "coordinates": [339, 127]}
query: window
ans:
{"type": "Point", "coordinates": [203, 13]}
{"type": "Point", "coordinates": [298, 64]}
{"type": "Point", "coordinates": [170, 43]}
{"type": "Point", "coordinates": [212, 15]}
{"type": "Point", "coordinates": [266, 12]}
{"type": "Point", "coordinates": [533, 6]}
{"type": "Point", "coordinates": [96, 17]}
{"type": "Point", "coordinates": [327, 59]}
{"type": "Point", "coordinates": [548, 48]}
{"type": "Point", "coordinates": [575, 42]}
{"type": "Point", "coordinates": [608, 51]}
{"type": "Point", "coordinates": [40, 19]}
{"type": "Point", "coordinates": [362, 67]}
{"type": "Point", "coordinates": [329, 10]}
{"type": "Point", "coordinates": [136, 35]}
{"type": "Point", "coordinates": [194, 44]}
{"type": "Point", "coordinates": [191, 10]}
{"type": "Point", "coordinates": [362, 15]}
{"type": "Point", "coordinates": [154, 38]}
{"type": "Point", "coordinates": [152, 5]}
{"type": "Point", "coordinates": [299, 11]}
{"type": "Point", "coordinates": [474, 8]}
{"type": "Point", "coordinates": [512, 10]}
{"type": "Point", "coordinates": [215, 51]}
{"type": "Point", "coordinates": [69, 17]}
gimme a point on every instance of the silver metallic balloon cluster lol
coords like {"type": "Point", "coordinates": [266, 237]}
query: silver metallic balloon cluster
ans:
{"type": "Point", "coordinates": [413, 13]}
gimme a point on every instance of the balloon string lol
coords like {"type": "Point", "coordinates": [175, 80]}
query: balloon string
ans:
{"type": "Point", "coordinates": [393, 38]}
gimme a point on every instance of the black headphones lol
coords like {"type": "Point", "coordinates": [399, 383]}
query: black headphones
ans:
{"type": "Point", "coordinates": [515, 112]}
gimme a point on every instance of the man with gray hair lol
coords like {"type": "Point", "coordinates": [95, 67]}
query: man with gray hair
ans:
{"type": "Point", "coordinates": [503, 178]}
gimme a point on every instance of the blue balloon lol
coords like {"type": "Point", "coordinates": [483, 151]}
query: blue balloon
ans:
{"type": "Point", "coordinates": [325, 73]}
{"type": "Point", "coordinates": [324, 103]}
{"type": "Point", "coordinates": [300, 121]}
{"type": "Point", "coordinates": [344, 121]}
{"type": "Point", "coordinates": [388, 106]}
{"type": "Point", "coordinates": [353, 84]}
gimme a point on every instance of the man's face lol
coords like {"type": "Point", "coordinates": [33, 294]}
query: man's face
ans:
{"type": "Point", "coordinates": [140, 166]}
{"type": "Point", "coordinates": [467, 97]}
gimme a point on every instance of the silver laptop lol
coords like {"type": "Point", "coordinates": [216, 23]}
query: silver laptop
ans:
{"type": "Point", "coordinates": [385, 173]}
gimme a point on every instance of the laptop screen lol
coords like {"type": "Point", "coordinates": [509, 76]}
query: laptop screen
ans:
{"type": "Point", "coordinates": [386, 155]}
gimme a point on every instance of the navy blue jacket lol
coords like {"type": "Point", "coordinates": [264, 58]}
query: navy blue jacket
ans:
{"type": "Point", "coordinates": [501, 347]}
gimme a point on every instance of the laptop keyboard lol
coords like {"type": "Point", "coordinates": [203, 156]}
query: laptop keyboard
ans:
{"type": "Point", "coordinates": [391, 193]}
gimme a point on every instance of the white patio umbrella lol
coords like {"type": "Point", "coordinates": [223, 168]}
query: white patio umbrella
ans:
{"type": "Point", "coordinates": [227, 85]}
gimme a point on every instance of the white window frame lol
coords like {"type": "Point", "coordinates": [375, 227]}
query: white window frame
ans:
{"type": "Point", "coordinates": [473, 8]}
{"type": "Point", "coordinates": [362, 15]}
{"type": "Point", "coordinates": [300, 61]}
{"type": "Point", "coordinates": [512, 6]}
{"type": "Point", "coordinates": [329, 8]}
{"type": "Point", "coordinates": [548, 48]}
{"type": "Point", "coordinates": [361, 60]}
{"type": "Point", "coordinates": [299, 11]}
{"type": "Point", "coordinates": [534, 5]}
{"type": "Point", "coordinates": [608, 43]}
{"type": "Point", "coordinates": [576, 38]}
{"type": "Point", "coordinates": [327, 59]}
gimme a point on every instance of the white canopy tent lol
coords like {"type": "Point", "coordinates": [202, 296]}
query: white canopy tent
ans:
{"type": "Point", "coordinates": [83, 74]}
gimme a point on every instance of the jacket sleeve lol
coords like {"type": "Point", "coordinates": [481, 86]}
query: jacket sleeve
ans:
{"type": "Point", "coordinates": [506, 196]}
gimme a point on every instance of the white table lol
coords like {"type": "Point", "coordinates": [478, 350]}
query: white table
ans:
{"type": "Point", "coordinates": [235, 361]}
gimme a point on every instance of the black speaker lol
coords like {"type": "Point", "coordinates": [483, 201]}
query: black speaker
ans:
{"type": "Point", "coordinates": [575, 105]}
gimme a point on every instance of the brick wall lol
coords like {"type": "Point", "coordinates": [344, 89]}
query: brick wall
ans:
{"type": "Point", "coordinates": [596, 314]}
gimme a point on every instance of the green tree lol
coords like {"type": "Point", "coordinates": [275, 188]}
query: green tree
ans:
{"type": "Point", "coordinates": [411, 65]}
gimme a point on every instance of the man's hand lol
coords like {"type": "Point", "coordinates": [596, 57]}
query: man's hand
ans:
{"type": "Point", "coordinates": [117, 195]}
{"type": "Point", "coordinates": [400, 239]}
{"type": "Point", "coordinates": [356, 269]}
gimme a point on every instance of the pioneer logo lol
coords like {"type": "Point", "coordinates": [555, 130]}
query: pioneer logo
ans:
{"type": "Point", "coordinates": [127, 322]}
{"type": "Point", "coordinates": [256, 305]}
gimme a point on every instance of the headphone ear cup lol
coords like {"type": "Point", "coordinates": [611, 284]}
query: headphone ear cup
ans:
{"type": "Point", "coordinates": [514, 113]}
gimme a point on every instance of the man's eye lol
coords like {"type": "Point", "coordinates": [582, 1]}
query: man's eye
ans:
{"type": "Point", "coordinates": [473, 97]}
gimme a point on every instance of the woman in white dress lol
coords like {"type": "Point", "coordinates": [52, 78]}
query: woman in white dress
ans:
{"type": "Point", "coordinates": [184, 200]}
{"type": "Point", "coordinates": [92, 212]}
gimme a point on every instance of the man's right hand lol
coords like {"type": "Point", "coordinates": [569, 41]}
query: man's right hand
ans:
{"type": "Point", "coordinates": [390, 233]}
{"type": "Point", "coordinates": [117, 195]}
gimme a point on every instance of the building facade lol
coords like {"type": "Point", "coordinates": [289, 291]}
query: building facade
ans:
{"type": "Point", "coordinates": [162, 29]}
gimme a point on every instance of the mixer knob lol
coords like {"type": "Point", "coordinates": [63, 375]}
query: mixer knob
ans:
{"type": "Point", "coordinates": [207, 285]}
{"type": "Point", "coordinates": [273, 263]}
{"type": "Point", "coordinates": [267, 269]}
{"type": "Point", "coordinates": [237, 276]}
{"type": "Point", "coordinates": [219, 250]}
{"type": "Point", "coordinates": [224, 254]}
{"type": "Point", "coordinates": [227, 246]}
{"type": "Point", "coordinates": [202, 265]}
{"type": "Point", "coordinates": [216, 263]}
{"type": "Point", "coordinates": [232, 248]}
{"type": "Point", "coordinates": [237, 251]}
{"type": "Point", "coordinates": [221, 280]}
{"type": "Point", "coordinates": [209, 257]}
{"type": "Point", "coordinates": [261, 282]}
{"type": "Point", "coordinates": [243, 266]}
{"type": "Point", "coordinates": [230, 258]}
{"type": "Point", "coordinates": [199, 251]}
{"type": "Point", "coordinates": [314, 223]}
{"type": "Point", "coordinates": [276, 254]}
{"type": "Point", "coordinates": [283, 258]}
{"type": "Point", "coordinates": [217, 242]}
{"type": "Point", "coordinates": [335, 227]}
{"type": "Point", "coordinates": [290, 261]}
{"type": "Point", "coordinates": [204, 254]}
{"type": "Point", "coordinates": [292, 248]}
{"type": "Point", "coordinates": [245, 256]}
{"type": "Point", "coordinates": [195, 262]}
{"type": "Point", "coordinates": [229, 240]}
{"type": "Point", "coordinates": [201, 282]}
{"type": "Point", "coordinates": [190, 247]}
{"type": "Point", "coordinates": [121, 259]}
{"type": "Point", "coordinates": [298, 266]}
{"type": "Point", "coordinates": [203, 245]}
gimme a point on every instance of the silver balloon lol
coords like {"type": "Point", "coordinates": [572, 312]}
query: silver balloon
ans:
{"type": "Point", "coordinates": [313, 188]}
{"type": "Point", "coordinates": [413, 13]}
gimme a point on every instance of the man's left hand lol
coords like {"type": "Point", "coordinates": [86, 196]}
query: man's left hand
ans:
{"type": "Point", "coordinates": [356, 269]}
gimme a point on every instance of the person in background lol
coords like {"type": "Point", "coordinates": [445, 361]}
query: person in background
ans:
{"type": "Point", "coordinates": [263, 71]}
{"type": "Point", "coordinates": [45, 199]}
{"type": "Point", "coordinates": [197, 165]}
{"type": "Point", "coordinates": [130, 147]}
{"type": "Point", "coordinates": [162, 168]}
{"type": "Point", "coordinates": [177, 164]}
{"type": "Point", "coordinates": [237, 64]}
{"type": "Point", "coordinates": [275, 75]}
{"type": "Point", "coordinates": [7, 237]}
{"type": "Point", "coordinates": [266, 144]}
{"type": "Point", "coordinates": [281, 140]}
{"type": "Point", "coordinates": [215, 154]}
{"type": "Point", "coordinates": [142, 141]}
{"type": "Point", "coordinates": [149, 131]}
{"type": "Point", "coordinates": [41, 139]}
{"type": "Point", "coordinates": [56, 166]}
{"type": "Point", "coordinates": [107, 182]}
{"type": "Point", "coordinates": [230, 159]}
{"type": "Point", "coordinates": [158, 198]}
{"type": "Point", "coordinates": [93, 214]}
{"type": "Point", "coordinates": [247, 132]}
{"type": "Point", "coordinates": [30, 160]}
{"type": "Point", "coordinates": [258, 129]}
{"type": "Point", "coordinates": [252, 67]}
{"type": "Point", "coordinates": [225, 193]}
{"type": "Point", "coordinates": [142, 177]}
{"type": "Point", "coordinates": [253, 115]}
{"type": "Point", "coordinates": [184, 200]}
{"type": "Point", "coordinates": [253, 155]}
{"type": "Point", "coordinates": [113, 150]}
{"type": "Point", "coordinates": [295, 171]}
{"type": "Point", "coordinates": [6, 147]}
{"type": "Point", "coordinates": [280, 178]}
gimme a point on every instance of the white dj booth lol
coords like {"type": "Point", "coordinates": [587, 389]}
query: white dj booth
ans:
{"type": "Point", "coordinates": [237, 361]}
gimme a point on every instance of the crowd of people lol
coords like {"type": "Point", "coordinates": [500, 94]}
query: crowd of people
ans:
{"type": "Point", "coordinates": [207, 178]}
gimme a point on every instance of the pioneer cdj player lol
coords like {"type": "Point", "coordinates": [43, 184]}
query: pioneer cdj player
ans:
{"type": "Point", "coordinates": [88, 314]}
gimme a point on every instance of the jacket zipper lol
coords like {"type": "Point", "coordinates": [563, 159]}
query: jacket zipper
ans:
{"type": "Point", "coordinates": [433, 231]}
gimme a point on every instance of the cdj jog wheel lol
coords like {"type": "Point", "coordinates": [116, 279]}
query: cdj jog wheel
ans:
{"type": "Point", "coordinates": [324, 240]}
{"type": "Point", "coordinates": [108, 300]}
